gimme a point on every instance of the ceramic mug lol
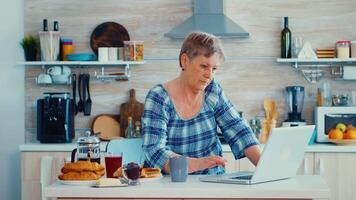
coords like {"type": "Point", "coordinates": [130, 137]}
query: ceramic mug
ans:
{"type": "Point", "coordinates": [57, 70]}
{"type": "Point", "coordinates": [44, 79]}
{"type": "Point", "coordinates": [179, 168]}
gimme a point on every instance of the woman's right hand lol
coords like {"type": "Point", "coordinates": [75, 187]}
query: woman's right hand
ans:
{"type": "Point", "coordinates": [197, 164]}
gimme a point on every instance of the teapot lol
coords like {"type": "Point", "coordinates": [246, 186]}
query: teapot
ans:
{"type": "Point", "coordinates": [88, 148]}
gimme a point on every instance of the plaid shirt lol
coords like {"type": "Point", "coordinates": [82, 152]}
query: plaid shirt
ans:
{"type": "Point", "coordinates": [165, 132]}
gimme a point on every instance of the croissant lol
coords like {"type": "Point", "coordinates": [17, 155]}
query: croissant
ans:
{"type": "Point", "coordinates": [150, 172]}
{"type": "Point", "coordinates": [85, 175]}
{"type": "Point", "coordinates": [82, 166]}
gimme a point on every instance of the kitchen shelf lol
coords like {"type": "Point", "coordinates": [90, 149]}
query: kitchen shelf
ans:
{"type": "Point", "coordinates": [81, 63]}
{"type": "Point", "coordinates": [314, 69]}
{"type": "Point", "coordinates": [322, 62]}
{"type": "Point", "coordinates": [102, 76]}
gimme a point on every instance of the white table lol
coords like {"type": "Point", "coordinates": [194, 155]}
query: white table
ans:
{"type": "Point", "coordinates": [300, 187]}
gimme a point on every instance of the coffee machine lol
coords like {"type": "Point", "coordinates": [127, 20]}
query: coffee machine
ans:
{"type": "Point", "coordinates": [55, 118]}
{"type": "Point", "coordinates": [294, 98]}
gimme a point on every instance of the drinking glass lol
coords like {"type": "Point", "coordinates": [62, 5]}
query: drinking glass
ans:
{"type": "Point", "coordinates": [297, 45]}
{"type": "Point", "coordinates": [112, 163]}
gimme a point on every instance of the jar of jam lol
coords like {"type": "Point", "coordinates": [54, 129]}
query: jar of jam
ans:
{"type": "Point", "coordinates": [343, 49]}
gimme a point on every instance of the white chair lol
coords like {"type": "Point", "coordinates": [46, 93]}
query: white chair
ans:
{"type": "Point", "coordinates": [46, 174]}
{"type": "Point", "coordinates": [130, 148]}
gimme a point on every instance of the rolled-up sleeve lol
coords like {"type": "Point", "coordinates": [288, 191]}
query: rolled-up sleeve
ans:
{"type": "Point", "coordinates": [154, 128]}
{"type": "Point", "coordinates": [236, 131]}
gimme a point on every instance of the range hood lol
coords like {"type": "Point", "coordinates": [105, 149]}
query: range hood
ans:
{"type": "Point", "coordinates": [208, 16]}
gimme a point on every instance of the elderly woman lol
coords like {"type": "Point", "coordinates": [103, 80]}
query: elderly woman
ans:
{"type": "Point", "coordinates": [182, 115]}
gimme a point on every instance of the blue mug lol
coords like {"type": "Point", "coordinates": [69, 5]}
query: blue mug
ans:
{"type": "Point", "coordinates": [179, 168]}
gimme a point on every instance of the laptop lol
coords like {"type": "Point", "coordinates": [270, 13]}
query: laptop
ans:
{"type": "Point", "coordinates": [280, 159]}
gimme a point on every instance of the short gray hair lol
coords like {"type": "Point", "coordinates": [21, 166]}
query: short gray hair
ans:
{"type": "Point", "coordinates": [201, 43]}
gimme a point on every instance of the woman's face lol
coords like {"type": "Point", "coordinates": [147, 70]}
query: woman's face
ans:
{"type": "Point", "coordinates": [200, 70]}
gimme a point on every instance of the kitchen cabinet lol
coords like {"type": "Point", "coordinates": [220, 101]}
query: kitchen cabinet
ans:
{"type": "Point", "coordinates": [84, 64]}
{"type": "Point", "coordinates": [338, 170]}
{"type": "Point", "coordinates": [31, 172]}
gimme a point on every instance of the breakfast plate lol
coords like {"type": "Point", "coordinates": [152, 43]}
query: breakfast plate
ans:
{"type": "Point", "coordinates": [143, 180]}
{"type": "Point", "coordinates": [78, 183]}
{"type": "Point", "coordinates": [345, 142]}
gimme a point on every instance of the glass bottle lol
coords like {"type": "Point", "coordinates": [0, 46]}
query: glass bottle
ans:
{"type": "Point", "coordinates": [137, 129]}
{"type": "Point", "coordinates": [45, 25]}
{"type": "Point", "coordinates": [286, 41]}
{"type": "Point", "coordinates": [55, 26]}
{"type": "Point", "coordinates": [129, 132]}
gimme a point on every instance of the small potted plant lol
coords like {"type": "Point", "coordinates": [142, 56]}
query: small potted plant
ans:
{"type": "Point", "coordinates": [30, 46]}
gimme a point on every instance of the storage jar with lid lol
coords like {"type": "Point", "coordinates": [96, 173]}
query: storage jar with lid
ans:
{"type": "Point", "coordinates": [353, 49]}
{"type": "Point", "coordinates": [343, 49]}
{"type": "Point", "coordinates": [66, 48]}
{"type": "Point", "coordinates": [133, 50]}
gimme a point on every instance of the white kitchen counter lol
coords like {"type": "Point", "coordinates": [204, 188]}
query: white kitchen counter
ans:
{"type": "Point", "coordinates": [300, 187]}
{"type": "Point", "coordinates": [34, 147]}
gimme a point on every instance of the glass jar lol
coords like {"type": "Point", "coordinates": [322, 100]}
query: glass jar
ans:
{"type": "Point", "coordinates": [133, 50]}
{"type": "Point", "coordinates": [353, 49]}
{"type": "Point", "coordinates": [343, 49]}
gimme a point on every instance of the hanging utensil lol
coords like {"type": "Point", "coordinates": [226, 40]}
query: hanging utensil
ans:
{"type": "Point", "coordinates": [74, 92]}
{"type": "Point", "coordinates": [80, 105]}
{"type": "Point", "coordinates": [87, 102]}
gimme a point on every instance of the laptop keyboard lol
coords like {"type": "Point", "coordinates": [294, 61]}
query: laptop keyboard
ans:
{"type": "Point", "coordinates": [246, 177]}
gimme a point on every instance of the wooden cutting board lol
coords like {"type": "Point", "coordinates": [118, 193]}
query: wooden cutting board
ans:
{"type": "Point", "coordinates": [131, 108]}
{"type": "Point", "coordinates": [107, 125]}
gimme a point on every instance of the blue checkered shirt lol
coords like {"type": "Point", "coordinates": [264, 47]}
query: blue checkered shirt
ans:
{"type": "Point", "coordinates": [165, 132]}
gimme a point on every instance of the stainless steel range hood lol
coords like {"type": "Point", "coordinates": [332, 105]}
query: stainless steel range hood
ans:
{"type": "Point", "coordinates": [208, 16]}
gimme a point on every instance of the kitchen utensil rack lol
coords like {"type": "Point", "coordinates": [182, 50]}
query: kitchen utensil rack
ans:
{"type": "Point", "coordinates": [314, 69]}
{"type": "Point", "coordinates": [80, 64]}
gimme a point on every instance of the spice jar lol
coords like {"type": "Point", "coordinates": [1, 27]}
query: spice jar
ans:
{"type": "Point", "coordinates": [343, 49]}
{"type": "Point", "coordinates": [66, 47]}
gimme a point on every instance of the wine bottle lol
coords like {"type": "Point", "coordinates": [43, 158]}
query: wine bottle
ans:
{"type": "Point", "coordinates": [55, 26]}
{"type": "Point", "coordinates": [45, 25]}
{"type": "Point", "coordinates": [286, 41]}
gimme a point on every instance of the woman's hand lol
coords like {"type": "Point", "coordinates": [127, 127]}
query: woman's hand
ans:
{"type": "Point", "coordinates": [197, 164]}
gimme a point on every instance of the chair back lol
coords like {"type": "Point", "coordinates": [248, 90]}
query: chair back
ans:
{"type": "Point", "coordinates": [131, 149]}
{"type": "Point", "coordinates": [46, 174]}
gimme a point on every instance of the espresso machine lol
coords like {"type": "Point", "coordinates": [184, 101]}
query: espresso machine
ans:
{"type": "Point", "coordinates": [55, 118]}
{"type": "Point", "coordinates": [294, 98]}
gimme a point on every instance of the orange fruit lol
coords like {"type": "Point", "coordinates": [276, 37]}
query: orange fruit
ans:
{"type": "Point", "coordinates": [350, 134]}
{"type": "Point", "coordinates": [335, 134]}
{"type": "Point", "coordinates": [350, 127]}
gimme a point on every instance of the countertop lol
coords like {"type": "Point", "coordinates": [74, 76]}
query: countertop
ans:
{"type": "Point", "coordinates": [299, 187]}
{"type": "Point", "coordinates": [38, 147]}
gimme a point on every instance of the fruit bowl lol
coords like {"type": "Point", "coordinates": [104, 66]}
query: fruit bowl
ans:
{"type": "Point", "coordinates": [345, 142]}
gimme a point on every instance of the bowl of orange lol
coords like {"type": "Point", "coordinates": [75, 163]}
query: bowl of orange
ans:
{"type": "Point", "coordinates": [343, 134]}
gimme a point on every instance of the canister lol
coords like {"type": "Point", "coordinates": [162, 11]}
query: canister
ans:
{"type": "Point", "coordinates": [133, 50]}
{"type": "Point", "coordinates": [353, 49]}
{"type": "Point", "coordinates": [66, 47]}
{"type": "Point", "coordinates": [343, 49]}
